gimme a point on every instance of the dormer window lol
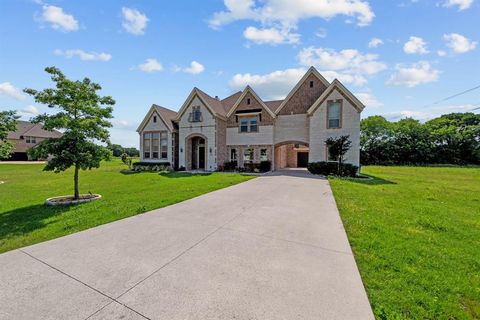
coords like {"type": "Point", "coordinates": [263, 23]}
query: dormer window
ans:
{"type": "Point", "coordinates": [154, 119]}
{"type": "Point", "coordinates": [195, 115]}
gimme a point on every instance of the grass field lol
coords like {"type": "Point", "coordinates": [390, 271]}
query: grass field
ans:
{"type": "Point", "coordinates": [415, 232]}
{"type": "Point", "coordinates": [25, 220]}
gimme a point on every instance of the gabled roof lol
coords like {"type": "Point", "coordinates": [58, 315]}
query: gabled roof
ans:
{"type": "Point", "coordinates": [336, 85]}
{"type": "Point", "coordinates": [28, 129]}
{"type": "Point", "coordinates": [230, 101]}
{"type": "Point", "coordinates": [166, 115]}
{"type": "Point", "coordinates": [310, 71]}
{"type": "Point", "coordinates": [248, 89]}
{"type": "Point", "coordinates": [213, 105]}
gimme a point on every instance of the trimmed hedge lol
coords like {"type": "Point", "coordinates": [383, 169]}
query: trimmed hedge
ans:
{"type": "Point", "coordinates": [333, 168]}
{"type": "Point", "coordinates": [151, 166]}
{"type": "Point", "coordinates": [263, 166]}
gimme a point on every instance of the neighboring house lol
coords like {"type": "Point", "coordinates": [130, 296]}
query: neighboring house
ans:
{"type": "Point", "coordinates": [207, 132]}
{"type": "Point", "coordinates": [27, 136]}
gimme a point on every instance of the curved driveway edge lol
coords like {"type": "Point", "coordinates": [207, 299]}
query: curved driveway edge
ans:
{"type": "Point", "coordinates": [270, 248]}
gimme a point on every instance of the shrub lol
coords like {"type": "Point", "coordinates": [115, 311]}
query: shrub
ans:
{"type": "Point", "coordinates": [333, 168]}
{"type": "Point", "coordinates": [127, 160]}
{"type": "Point", "coordinates": [151, 166]}
{"type": "Point", "coordinates": [265, 166]}
{"type": "Point", "coordinates": [230, 165]}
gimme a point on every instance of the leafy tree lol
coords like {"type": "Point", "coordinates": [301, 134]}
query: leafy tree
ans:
{"type": "Point", "coordinates": [376, 135]}
{"type": "Point", "coordinates": [337, 148]}
{"type": "Point", "coordinates": [132, 152]}
{"type": "Point", "coordinates": [456, 137]}
{"type": "Point", "coordinates": [411, 142]}
{"type": "Point", "coordinates": [8, 122]}
{"type": "Point", "coordinates": [82, 117]}
{"type": "Point", "coordinates": [117, 150]}
{"type": "Point", "coordinates": [127, 160]}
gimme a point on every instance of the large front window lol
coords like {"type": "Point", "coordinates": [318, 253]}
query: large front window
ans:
{"type": "Point", "coordinates": [195, 115]}
{"type": "Point", "coordinates": [334, 113]}
{"type": "Point", "coordinates": [248, 124]}
{"type": "Point", "coordinates": [263, 154]}
{"type": "Point", "coordinates": [155, 145]}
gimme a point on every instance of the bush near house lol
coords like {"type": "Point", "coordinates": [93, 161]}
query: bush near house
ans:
{"type": "Point", "coordinates": [328, 168]}
{"type": "Point", "coordinates": [151, 166]}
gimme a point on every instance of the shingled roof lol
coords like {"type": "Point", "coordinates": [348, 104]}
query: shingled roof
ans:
{"type": "Point", "coordinates": [166, 114]}
{"type": "Point", "coordinates": [28, 129]}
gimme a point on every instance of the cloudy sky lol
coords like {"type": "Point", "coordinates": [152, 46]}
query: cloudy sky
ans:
{"type": "Point", "coordinates": [401, 58]}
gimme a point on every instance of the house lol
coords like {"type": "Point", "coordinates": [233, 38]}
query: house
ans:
{"type": "Point", "coordinates": [208, 132]}
{"type": "Point", "coordinates": [27, 136]}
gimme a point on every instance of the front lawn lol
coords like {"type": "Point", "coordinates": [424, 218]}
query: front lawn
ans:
{"type": "Point", "coordinates": [415, 232]}
{"type": "Point", "coordinates": [25, 220]}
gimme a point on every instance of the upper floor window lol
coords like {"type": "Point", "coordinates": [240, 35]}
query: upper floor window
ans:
{"type": "Point", "coordinates": [334, 114]}
{"type": "Point", "coordinates": [311, 84]}
{"type": "Point", "coordinates": [195, 115]}
{"type": "Point", "coordinates": [248, 101]}
{"type": "Point", "coordinates": [248, 124]}
{"type": "Point", "coordinates": [30, 139]}
{"type": "Point", "coordinates": [154, 119]}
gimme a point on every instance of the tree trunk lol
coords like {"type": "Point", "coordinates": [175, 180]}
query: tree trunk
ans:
{"type": "Point", "coordinates": [75, 183]}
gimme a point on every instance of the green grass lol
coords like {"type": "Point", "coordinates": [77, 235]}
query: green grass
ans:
{"type": "Point", "coordinates": [25, 220]}
{"type": "Point", "coordinates": [415, 233]}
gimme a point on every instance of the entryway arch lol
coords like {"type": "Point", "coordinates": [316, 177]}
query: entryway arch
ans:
{"type": "Point", "coordinates": [291, 154]}
{"type": "Point", "coordinates": [196, 146]}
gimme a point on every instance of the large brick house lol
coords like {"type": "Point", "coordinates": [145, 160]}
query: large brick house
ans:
{"type": "Point", "coordinates": [26, 136]}
{"type": "Point", "coordinates": [207, 131]}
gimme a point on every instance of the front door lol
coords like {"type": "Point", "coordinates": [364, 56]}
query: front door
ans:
{"type": "Point", "coordinates": [201, 157]}
{"type": "Point", "coordinates": [302, 159]}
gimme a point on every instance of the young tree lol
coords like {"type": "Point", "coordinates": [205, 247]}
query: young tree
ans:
{"type": "Point", "coordinates": [8, 122]}
{"type": "Point", "coordinates": [82, 117]}
{"type": "Point", "coordinates": [337, 148]}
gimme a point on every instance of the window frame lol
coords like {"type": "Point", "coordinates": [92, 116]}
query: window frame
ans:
{"type": "Point", "coordinates": [251, 154]}
{"type": "Point", "coordinates": [195, 114]}
{"type": "Point", "coordinates": [340, 122]}
{"type": "Point", "coordinates": [249, 119]}
{"type": "Point", "coordinates": [162, 141]}
{"type": "Point", "coordinates": [264, 157]}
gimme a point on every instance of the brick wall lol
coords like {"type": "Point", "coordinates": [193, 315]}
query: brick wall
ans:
{"type": "Point", "coordinates": [304, 97]}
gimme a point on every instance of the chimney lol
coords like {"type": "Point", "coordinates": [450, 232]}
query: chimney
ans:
{"type": "Point", "coordinates": [216, 97]}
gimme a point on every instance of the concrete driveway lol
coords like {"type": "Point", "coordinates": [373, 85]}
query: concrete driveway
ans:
{"type": "Point", "coordinates": [270, 248]}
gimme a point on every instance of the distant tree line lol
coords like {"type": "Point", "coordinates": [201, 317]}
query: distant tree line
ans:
{"type": "Point", "coordinates": [450, 139]}
{"type": "Point", "coordinates": [118, 150]}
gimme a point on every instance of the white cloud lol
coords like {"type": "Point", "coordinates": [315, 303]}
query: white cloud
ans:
{"type": "Point", "coordinates": [83, 55]}
{"type": "Point", "coordinates": [58, 19]}
{"type": "Point", "coordinates": [345, 78]}
{"type": "Point", "coordinates": [321, 33]}
{"type": "Point", "coordinates": [461, 4]}
{"type": "Point", "coordinates": [368, 99]}
{"type": "Point", "coordinates": [288, 13]}
{"type": "Point", "coordinates": [348, 60]}
{"type": "Point", "coordinates": [31, 110]}
{"type": "Point", "coordinates": [150, 65]}
{"type": "Point", "coordinates": [441, 53]}
{"type": "Point", "coordinates": [134, 21]}
{"type": "Point", "coordinates": [375, 42]}
{"type": "Point", "coordinates": [271, 36]}
{"type": "Point", "coordinates": [459, 43]}
{"type": "Point", "coordinates": [274, 85]}
{"type": "Point", "coordinates": [429, 113]}
{"type": "Point", "coordinates": [415, 45]}
{"type": "Point", "coordinates": [122, 124]}
{"type": "Point", "coordinates": [195, 68]}
{"type": "Point", "coordinates": [8, 89]}
{"type": "Point", "coordinates": [411, 76]}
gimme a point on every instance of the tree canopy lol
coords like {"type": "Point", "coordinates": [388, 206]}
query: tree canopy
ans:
{"type": "Point", "coordinates": [450, 139]}
{"type": "Point", "coordinates": [8, 122]}
{"type": "Point", "coordinates": [82, 117]}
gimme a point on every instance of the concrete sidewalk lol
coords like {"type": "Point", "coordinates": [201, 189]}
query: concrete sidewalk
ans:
{"type": "Point", "coordinates": [270, 248]}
